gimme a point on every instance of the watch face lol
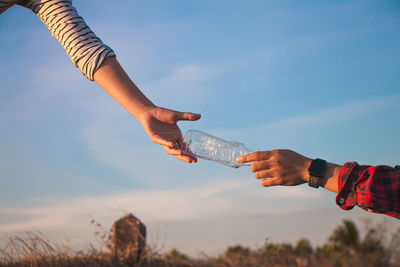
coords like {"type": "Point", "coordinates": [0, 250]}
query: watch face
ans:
{"type": "Point", "coordinates": [317, 167]}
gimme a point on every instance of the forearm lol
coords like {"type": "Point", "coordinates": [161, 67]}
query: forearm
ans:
{"type": "Point", "coordinates": [114, 80]}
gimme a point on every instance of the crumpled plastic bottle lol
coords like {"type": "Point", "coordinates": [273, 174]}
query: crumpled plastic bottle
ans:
{"type": "Point", "coordinates": [209, 147]}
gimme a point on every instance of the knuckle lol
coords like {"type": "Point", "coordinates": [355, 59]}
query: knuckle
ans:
{"type": "Point", "coordinates": [279, 162]}
{"type": "Point", "coordinates": [277, 153]}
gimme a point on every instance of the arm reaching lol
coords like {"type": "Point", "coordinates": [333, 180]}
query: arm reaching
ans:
{"type": "Point", "coordinates": [98, 62]}
{"type": "Point", "coordinates": [286, 167]}
{"type": "Point", "coordinates": [159, 123]}
{"type": "Point", "coordinates": [372, 188]}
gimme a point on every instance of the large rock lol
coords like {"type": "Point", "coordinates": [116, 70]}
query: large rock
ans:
{"type": "Point", "coordinates": [128, 239]}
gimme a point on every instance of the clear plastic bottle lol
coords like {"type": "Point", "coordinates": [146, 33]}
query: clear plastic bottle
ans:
{"type": "Point", "coordinates": [207, 146]}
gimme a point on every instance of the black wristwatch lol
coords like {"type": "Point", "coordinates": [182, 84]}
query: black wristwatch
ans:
{"type": "Point", "coordinates": [316, 171]}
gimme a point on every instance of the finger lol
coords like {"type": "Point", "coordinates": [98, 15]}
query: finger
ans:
{"type": "Point", "coordinates": [263, 174]}
{"type": "Point", "coordinates": [186, 116]}
{"type": "Point", "coordinates": [175, 151]}
{"type": "Point", "coordinates": [186, 150]}
{"type": "Point", "coordinates": [183, 145]}
{"type": "Point", "coordinates": [161, 141]}
{"type": "Point", "coordinates": [184, 158]}
{"type": "Point", "coordinates": [270, 182]}
{"type": "Point", "coordinates": [259, 155]}
{"type": "Point", "coordinates": [189, 155]}
{"type": "Point", "coordinates": [179, 154]}
{"type": "Point", "coordinates": [180, 142]}
{"type": "Point", "coordinates": [260, 165]}
{"type": "Point", "coordinates": [182, 155]}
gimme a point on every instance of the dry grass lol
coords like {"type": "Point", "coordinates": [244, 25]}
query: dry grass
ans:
{"type": "Point", "coordinates": [370, 251]}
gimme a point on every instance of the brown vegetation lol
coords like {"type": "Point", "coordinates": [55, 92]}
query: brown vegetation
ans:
{"type": "Point", "coordinates": [344, 248]}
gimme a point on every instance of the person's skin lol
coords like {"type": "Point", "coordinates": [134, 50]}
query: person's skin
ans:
{"type": "Point", "coordinates": [286, 167]}
{"type": "Point", "coordinates": [159, 123]}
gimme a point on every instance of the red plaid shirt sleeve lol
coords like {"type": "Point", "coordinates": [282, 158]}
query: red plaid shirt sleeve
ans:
{"type": "Point", "coordinates": [373, 188]}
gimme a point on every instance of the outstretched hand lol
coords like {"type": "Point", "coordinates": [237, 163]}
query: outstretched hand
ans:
{"type": "Point", "coordinates": [280, 166]}
{"type": "Point", "coordinates": [161, 126]}
{"type": "Point", "coordinates": [159, 123]}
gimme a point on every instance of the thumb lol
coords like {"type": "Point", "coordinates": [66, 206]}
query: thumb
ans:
{"type": "Point", "coordinates": [187, 116]}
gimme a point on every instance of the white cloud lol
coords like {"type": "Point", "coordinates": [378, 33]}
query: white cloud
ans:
{"type": "Point", "coordinates": [222, 198]}
{"type": "Point", "coordinates": [44, 221]}
{"type": "Point", "coordinates": [348, 111]}
{"type": "Point", "coordinates": [329, 116]}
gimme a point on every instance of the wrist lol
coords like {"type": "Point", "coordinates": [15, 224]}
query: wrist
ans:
{"type": "Point", "coordinates": [306, 175]}
{"type": "Point", "coordinates": [144, 111]}
{"type": "Point", "coordinates": [316, 171]}
{"type": "Point", "coordinates": [329, 179]}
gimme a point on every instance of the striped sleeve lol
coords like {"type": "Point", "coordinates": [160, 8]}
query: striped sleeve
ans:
{"type": "Point", "coordinates": [6, 4]}
{"type": "Point", "coordinates": [83, 47]}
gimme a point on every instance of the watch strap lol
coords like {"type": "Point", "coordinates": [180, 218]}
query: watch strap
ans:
{"type": "Point", "coordinates": [313, 181]}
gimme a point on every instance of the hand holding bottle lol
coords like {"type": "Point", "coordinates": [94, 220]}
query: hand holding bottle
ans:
{"type": "Point", "coordinates": [159, 123]}
{"type": "Point", "coordinates": [280, 166]}
{"type": "Point", "coordinates": [209, 147]}
{"type": "Point", "coordinates": [161, 126]}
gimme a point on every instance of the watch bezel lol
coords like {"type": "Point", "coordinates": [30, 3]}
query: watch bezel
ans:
{"type": "Point", "coordinates": [317, 168]}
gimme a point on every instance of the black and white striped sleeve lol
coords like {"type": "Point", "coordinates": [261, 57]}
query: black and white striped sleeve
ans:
{"type": "Point", "coordinates": [6, 4]}
{"type": "Point", "coordinates": [83, 47]}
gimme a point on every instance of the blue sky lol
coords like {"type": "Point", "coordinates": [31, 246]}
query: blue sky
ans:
{"type": "Point", "coordinates": [321, 78]}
